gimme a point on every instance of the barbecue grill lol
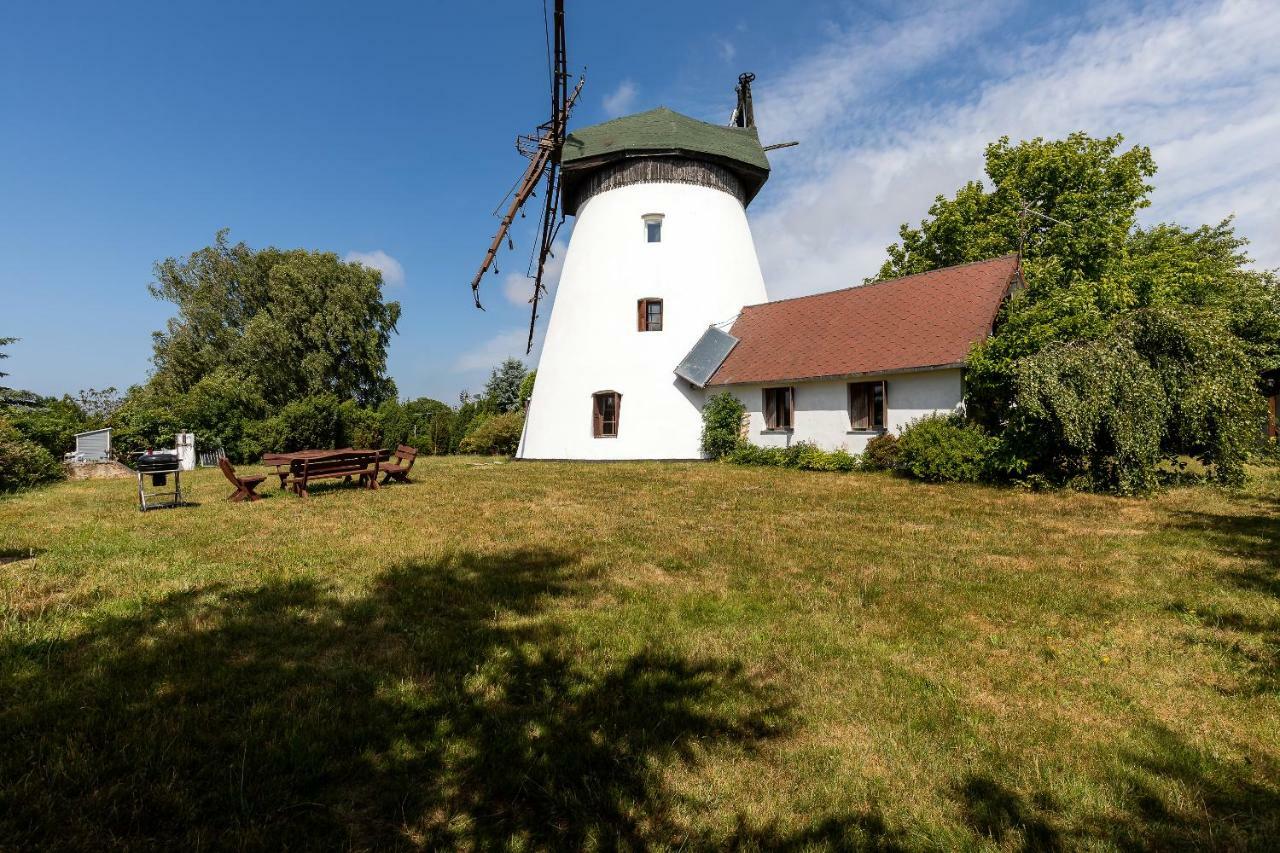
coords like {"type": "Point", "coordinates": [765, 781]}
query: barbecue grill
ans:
{"type": "Point", "coordinates": [158, 467]}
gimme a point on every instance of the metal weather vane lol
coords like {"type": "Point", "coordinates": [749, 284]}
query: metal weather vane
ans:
{"type": "Point", "coordinates": [543, 149]}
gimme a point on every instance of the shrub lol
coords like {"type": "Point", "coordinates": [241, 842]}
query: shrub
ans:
{"type": "Point", "coordinates": [498, 434]}
{"type": "Point", "coordinates": [840, 460]}
{"type": "Point", "coordinates": [747, 453]}
{"type": "Point", "coordinates": [52, 424]}
{"type": "Point", "coordinates": [24, 463]}
{"type": "Point", "coordinates": [881, 453]}
{"type": "Point", "coordinates": [358, 427]}
{"type": "Point", "coordinates": [312, 422]}
{"type": "Point", "coordinates": [143, 421]}
{"type": "Point", "coordinates": [803, 455]}
{"type": "Point", "coordinates": [722, 425]}
{"type": "Point", "coordinates": [217, 409]}
{"type": "Point", "coordinates": [945, 449]}
{"type": "Point", "coordinates": [1156, 386]}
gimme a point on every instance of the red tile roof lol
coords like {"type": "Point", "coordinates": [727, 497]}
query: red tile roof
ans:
{"type": "Point", "coordinates": [927, 320]}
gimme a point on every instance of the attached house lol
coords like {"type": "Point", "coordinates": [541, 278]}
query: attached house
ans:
{"type": "Point", "coordinates": [840, 367]}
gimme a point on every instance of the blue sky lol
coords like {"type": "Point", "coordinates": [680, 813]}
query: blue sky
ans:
{"type": "Point", "coordinates": [134, 131]}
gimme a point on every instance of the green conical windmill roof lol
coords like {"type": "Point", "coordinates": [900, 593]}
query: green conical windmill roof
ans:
{"type": "Point", "coordinates": [664, 132]}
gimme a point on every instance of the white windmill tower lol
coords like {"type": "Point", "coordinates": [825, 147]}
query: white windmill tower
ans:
{"type": "Point", "coordinates": [660, 251]}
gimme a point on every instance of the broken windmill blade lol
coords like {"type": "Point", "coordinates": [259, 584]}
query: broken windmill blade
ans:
{"type": "Point", "coordinates": [543, 151]}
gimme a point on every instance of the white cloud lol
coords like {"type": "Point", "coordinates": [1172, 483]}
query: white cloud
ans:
{"type": "Point", "coordinates": [518, 287]}
{"type": "Point", "coordinates": [619, 101]}
{"type": "Point", "coordinates": [726, 48]}
{"type": "Point", "coordinates": [1199, 84]}
{"type": "Point", "coordinates": [392, 271]}
{"type": "Point", "coordinates": [504, 345]}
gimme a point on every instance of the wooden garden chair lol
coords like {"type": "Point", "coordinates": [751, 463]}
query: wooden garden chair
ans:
{"type": "Point", "coordinates": [244, 485]}
{"type": "Point", "coordinates": [399, 469]}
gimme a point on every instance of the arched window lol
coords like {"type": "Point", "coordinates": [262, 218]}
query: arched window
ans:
{"type": "Point", "coordinates": [605, 409]}
{"type": "Point", "coordinates": [649, 315]}
{"type": "Point", "coordinates": [653, 227]}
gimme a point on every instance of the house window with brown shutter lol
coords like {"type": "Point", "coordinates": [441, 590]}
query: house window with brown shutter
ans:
{"type": "Point", "coordinates": [779, 408]}
{"type": "Point", "coordinates": [605, 408]}
{"type": "Point", "coordinates": [866, 405]}
{"type": "Point", "coordinates": [649, 315]}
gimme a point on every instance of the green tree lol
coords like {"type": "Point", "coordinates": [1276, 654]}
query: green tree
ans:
{"type": "Point", "coordinates": [502, 391]}
{"type": "Point", "coordinates": [526, 388]}
{"type": "Point", "coordinates": [11, 396]}
{"type": "Point", "coordinates": [24, 463]}
{"type": "Point", "coordinates": [52, 423]}
{"type": "Point", "coordinates": [1093, 275]}
{"type": "Point", "coordinates": [291, 323]}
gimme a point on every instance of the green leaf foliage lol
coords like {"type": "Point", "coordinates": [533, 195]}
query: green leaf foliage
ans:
{"type": "Point", "coordinates": [24, 463]}
{"type": "Point", "coordinates": [1089, 413]}
{"type": "Point", "coordinates": [503, 389]}
{"type": "Point", "coordinates": [802, 456]}
{"type": "Point", "coordinates": [881, 453]}
{"type": "Point", "coordinates": [1184, 301]}
{"type": "Point", "coordinates": [291, 323]}
{"type": "Point", "coordinates": [946, 449]}
{"type": "Point", "coordinates": [722, 418]}
{"type": "Point", "coordinates": [423, 423]}
{"type": "Point", "coordinates": [526, 388]}
{"type": "Point", "coordinates": [494, 434]}
{"type": "Point", "coordinates": [52, 423]}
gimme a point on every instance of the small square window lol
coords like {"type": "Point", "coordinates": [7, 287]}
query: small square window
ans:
{"type": "Point", "coordinates": [649, 315]}
{"type": "Point", "coordinates": [653, 228]}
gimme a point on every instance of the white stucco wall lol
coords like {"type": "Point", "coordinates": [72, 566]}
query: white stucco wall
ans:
{"type": "Point", "coordinates": [822, 408]}
{"type": "Point", "coordinates": [705, 269]}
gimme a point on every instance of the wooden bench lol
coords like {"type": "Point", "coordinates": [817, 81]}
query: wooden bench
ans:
{"type": "Point", "coordinates": [399, 470]}
{"type": "Point", "coordinates": [282, 462]}
{"type": "Point", "coordinates": [362, 464]}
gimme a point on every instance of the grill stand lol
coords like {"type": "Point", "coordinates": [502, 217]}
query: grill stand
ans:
{"type": "Point", "coordinates": [174, 497]}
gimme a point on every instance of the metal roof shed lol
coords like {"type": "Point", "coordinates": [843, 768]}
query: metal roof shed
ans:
{"type": "Point", "coordinates": [93, 446]}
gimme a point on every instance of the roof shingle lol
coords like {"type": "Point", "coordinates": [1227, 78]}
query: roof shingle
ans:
{"type": "Point", "coordinates": [921, 321]}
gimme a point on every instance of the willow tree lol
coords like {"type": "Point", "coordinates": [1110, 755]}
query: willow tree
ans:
{"type": "Point", "coordinates": [287, 323]}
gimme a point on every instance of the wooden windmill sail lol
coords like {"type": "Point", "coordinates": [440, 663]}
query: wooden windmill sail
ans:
{"type": "Point", "coordinates": [543, 150]}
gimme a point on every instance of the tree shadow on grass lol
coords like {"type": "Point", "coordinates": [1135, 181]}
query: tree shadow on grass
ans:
{"type": "Point", "coordinates": [1253, 540]}
{"type": "Point", "coordinates": [444, 708]}
{"type": "Point", "coordinates": [1166, 794]}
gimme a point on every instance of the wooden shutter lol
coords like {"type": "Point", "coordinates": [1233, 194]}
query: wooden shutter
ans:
{"type": "Point", "coordinates": [640, 318]}
{"type": "Point", "coordinates": [859, 406]}
{"type": "Point", "coordinates": [770, 409]}
{"type": "Point", "coordinates": [617, 414]}
{"type": "Point", "coordinates": [597, 419]}
{"type": "Point", "coordinates": [884, 404]}
{"type": "Point", "coordinates": [791, 408]}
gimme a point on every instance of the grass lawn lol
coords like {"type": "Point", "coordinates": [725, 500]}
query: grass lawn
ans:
{"type": "Point", "coordinates": [640, 655]}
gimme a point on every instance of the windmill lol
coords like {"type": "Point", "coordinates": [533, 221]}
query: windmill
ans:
{"type": "Point", "coordinates": [543, 150]}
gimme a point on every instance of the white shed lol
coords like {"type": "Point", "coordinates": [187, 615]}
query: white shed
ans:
{"type": "Point", "coordinates": [93, 446]}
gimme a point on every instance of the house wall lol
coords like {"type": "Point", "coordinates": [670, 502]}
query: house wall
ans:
{"type": "Point", "coordinates": [822, 408]}
{"type": "Point", "coordinates": [94, 446]}
{"type": "Point", "coordinates": [704, 270]}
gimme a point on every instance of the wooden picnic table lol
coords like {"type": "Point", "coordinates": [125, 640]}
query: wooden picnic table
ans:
{"type": "Point", "coordinates": [298, 468]}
